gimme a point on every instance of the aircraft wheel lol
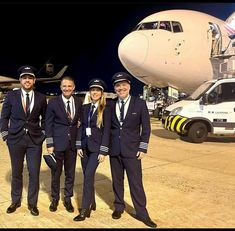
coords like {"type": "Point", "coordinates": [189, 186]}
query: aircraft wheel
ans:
{"type": "Point", "coordinates": [197, 132]}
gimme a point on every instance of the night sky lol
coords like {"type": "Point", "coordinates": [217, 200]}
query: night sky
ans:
{"type": "Point", "coordinates": [84, 36]}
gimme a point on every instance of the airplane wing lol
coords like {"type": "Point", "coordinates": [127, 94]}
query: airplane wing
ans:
{"type": "Point", "coordinates": [4, 79]}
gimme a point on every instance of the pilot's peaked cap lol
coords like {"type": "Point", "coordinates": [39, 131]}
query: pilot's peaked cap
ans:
{"type": "Point", "coordinates": [27, 70]}
{"type": "Point", "coordinates": [121, 76]}
{"type": "Point", "coordinates": [97, 83]}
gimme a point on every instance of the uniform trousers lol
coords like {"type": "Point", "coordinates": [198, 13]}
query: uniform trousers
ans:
{"type": "Point", "coordinates": [133, 169]}
{"type": "Point", "coordinates": [67, 159]}
{"type": "Point", "coordinates": [89, 165]}
{"type": "Point", "coordinates": [33, 153]}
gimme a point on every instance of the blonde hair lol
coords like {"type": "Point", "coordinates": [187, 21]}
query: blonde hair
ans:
{"type": "Point", "coordinates": [100, 109]}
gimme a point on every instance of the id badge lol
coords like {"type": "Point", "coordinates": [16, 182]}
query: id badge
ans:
{"type": "Point", "coordinates": [88, 131]}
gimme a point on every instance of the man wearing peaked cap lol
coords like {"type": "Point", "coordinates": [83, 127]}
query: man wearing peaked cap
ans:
{"type": "Point", "coordinates": [25, 109]}
{"type": "Point", "coordinates": [130, 132]}
{"type": "Point", "coordinates": [97, 83]}
{"type": "Point", "coordinates": [121, 76]}
{"type": "Point", "coordinates": [26, 70]}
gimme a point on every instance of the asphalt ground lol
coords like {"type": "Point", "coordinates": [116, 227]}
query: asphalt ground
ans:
{"type": "Point", "coordinates": [187, 186]}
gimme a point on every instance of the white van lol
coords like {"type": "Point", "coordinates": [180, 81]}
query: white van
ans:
{"type": "Point", "coordinates": [209, 109]}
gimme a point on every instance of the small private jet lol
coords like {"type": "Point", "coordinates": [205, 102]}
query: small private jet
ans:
{"type": "Point", "coordinates": [176, 48]}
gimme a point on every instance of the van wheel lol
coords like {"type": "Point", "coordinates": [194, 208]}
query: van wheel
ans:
{"type": "Point", "coordinates": [197, 132]}
{"type": "Point", "coordinates": [182, 135]}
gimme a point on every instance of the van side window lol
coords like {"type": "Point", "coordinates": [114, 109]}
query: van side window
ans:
{"type": "Point", "coordinates": [213, 97]}
{"type": "Point", "coordinates": [227, 92]}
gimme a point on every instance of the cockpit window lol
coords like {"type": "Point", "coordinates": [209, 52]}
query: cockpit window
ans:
{"type": "Point", "coordinates": [147, 26]}
{"type": "Point", "coordinates": [163, 25]}
{"type": "Point", "coordinates": [177, 27]}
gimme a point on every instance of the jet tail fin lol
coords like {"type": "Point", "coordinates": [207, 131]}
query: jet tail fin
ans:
{"type": "Point", "coordinates": [230, 25]}
{"type": "Point", "coordinates": [56, 77]}
{"type": "Point", "coordinates": [230, 18]}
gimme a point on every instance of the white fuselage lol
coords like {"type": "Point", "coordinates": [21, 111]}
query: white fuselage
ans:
{"type": "Point", "coordinates": [179, 60]}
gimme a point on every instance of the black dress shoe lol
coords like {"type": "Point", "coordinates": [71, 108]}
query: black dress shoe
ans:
{"type": "Point", "coordinates": [147, 221]}
{"type": "Point", "coordinates": [69, 207]}
{"type": "Point", "coordinates": [33, 210]}
{"type": "Point", "coordinates": [12, 208]}
{"type": "Point", "coordinates": [117, 214]}
{"type": "Point", "coordinates": [83, 214]}
{"type": "Point", "coordinates": [53, 205]}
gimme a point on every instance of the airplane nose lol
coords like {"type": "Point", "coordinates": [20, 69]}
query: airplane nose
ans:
{"type": "Point", "coordinates": [132, 50]}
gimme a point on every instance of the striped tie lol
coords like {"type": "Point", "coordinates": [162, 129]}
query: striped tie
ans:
{"type": "Point", "coordinates": [27, 105]}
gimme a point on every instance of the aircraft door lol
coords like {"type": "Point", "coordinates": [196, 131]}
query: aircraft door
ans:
{"type": "Point", "coordinates": [216, 38]}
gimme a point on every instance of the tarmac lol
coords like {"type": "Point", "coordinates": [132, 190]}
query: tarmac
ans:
{"type": "Point", "coordinates": [187, 186]}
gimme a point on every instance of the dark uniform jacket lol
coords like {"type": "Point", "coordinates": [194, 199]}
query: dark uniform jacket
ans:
{"type": "Point", "coordinates": [14, 122]}
{"type": "Point", "coordinates": [100, 137]}
{"type": "Point", "coordinates": [133, 135]}
{"type": "Point", "coordinates": [59, 130]}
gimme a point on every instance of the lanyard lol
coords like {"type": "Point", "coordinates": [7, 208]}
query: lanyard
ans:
{"type": "Point", "coordinates": [119, 102]}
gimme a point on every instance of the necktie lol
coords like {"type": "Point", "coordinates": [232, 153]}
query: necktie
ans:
{"type": "Point", "coordinates": [122, 111]}
{"type": "Point", "coordinates": [69, 111]}
{"type": "Point", "coordinates": [27, 104]}
{"type": "Point", "coordinates": [91, 111]}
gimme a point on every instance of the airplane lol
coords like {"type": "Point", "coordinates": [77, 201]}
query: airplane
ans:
{"type": "Point", "coordinates": [8, 83]}
{"type": "Point", "coordinates": [179, 49]}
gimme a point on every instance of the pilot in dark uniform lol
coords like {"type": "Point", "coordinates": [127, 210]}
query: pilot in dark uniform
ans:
{"type": "Point", "coordinates": [93, 142]}
{"type": "Point", "coordinates": [130, 132]}
{"type": "Point", "coordinates": [22, 126]}
{"type": "Point", "coordinates": [62, 122]}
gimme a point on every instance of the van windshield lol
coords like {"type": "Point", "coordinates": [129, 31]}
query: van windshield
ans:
{"type": "Point", "coordinates": [197, 94]}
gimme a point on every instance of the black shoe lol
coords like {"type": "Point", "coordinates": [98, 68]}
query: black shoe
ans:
{"type": "Point", "coordinates": [83, 214]}
{"type": "Point", "coordinates": [117, 214]}
{"type": "Point", "coordinates": [12, 208]}
{"type": "Point", "coordinates": [147, 221]}
{"type": "Point", "coordinates": [69, 207]}
{"type": "Point", "coordinates": [93, 206]}
{"type": "Point", "coordinates": [33, 210]}
{"type": "Point", "coordinates": [53, 205]}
